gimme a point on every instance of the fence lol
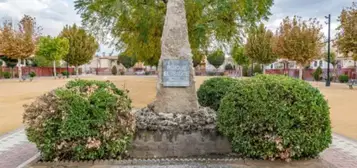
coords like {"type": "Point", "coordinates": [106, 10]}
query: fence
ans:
{"type": "Point", "coordinates": [307, 73]}
{"type": "Point", "coordinates": [40, 71]}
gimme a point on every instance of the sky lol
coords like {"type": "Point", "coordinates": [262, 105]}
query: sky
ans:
{"type": "Point", "coordinates": [52, 15]}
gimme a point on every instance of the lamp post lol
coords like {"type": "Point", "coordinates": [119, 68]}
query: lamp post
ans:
{"type": "Point", "coordinates": [328, 82]}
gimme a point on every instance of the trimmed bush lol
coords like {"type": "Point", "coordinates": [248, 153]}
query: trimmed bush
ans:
{"type": "Point", "coordinates": [211, 73]}
{"type": "Point", "coordinates": [343, 78]}
{"type": "Point", "coordinates": [85, 120]}
{"type": "Point", "coordinates": [275, 117]}
{"type": "Point", "coordinates": [317, 74]}
{"type": "Point", "coordinates": [64, 73]}
{"type": "Point", "coordinates": [32, 74]}
{"type": "Point", "coordinates": [114, 70]}
{"type": "Point", "coordinates": [212, 91]}
{"type": "Point", "coordinates": [7, 75]}
{"type": "Point", "coordinates": [228, 67]}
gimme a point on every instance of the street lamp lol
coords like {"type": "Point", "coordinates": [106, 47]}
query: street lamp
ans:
{"type": "Point", "coordinates": [328, 82]}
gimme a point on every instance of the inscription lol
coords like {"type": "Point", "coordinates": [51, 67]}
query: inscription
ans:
{"type": "Point", "coordinates": [176, 73]}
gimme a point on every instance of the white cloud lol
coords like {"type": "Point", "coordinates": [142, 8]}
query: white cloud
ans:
{"type": "Point", "coordinates": [51, 15]}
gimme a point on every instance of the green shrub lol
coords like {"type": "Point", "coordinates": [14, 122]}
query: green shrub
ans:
{"type": "Point", "coordinates": [317, 74]}
{"type": "Point", "coordinates": [275, 117]}
{"type": "Point", "coordinates": [343, 78]}
{"type": "Point", "coordinates": [114, 70]}
{"type": "Point", "coordinates": [147, 73]}
{"type": "Point", "coordinates": [212, 91]}
{"type": "Point", "coordinates": [85, 120]}
{"type": "Point", "coordinates": [257, 69]}
{"type": "Point", "coordinates": [32, 74]}
{"type": "Point", "coordinates": [7, 75]}
{"type": "Point", "coordinates": [122, 73]}
{"type": "Point", "coordinates": [228, 67]}
{"type": "Point", "coordinates": [211, 73]}
{"type": "Point", "coordinates": [64, 73]}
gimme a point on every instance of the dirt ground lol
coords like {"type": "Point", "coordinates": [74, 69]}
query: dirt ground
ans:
{"type": "Point", "coordinates": [142, 90]}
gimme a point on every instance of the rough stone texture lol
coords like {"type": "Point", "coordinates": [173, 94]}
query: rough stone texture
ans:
{"type": "Point", "coordinates": [203, 119]}
{"type": "Point", "coordinates": [177, 135]}
{"type": "Point", "coordinates": [175, 45]}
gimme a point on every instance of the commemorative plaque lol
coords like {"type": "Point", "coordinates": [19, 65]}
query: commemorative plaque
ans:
{"type": "Point", "coordinates": [176, 73]}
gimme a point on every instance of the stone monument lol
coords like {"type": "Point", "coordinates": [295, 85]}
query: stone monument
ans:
{"type": "Point", "coordinates": [176, 92]}
{"type": "Point", "coordinates": [173, 125]}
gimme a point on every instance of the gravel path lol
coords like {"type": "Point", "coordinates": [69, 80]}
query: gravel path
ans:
{"type": "Point", "coordinates": [16, 151]}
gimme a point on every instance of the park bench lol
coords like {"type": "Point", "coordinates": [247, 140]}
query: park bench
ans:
{"type": "Point", "coordinates": [352, 82]}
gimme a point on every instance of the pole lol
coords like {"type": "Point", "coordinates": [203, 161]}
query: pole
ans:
{"type": "Point", "coordinates": [328, 82]}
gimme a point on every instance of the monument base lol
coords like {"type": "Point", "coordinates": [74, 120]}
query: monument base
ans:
{"type": "Point", "coordinates": [177, 135]}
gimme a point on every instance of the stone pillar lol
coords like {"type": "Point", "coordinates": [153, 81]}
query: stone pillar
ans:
{"type": "Point", "coordinates": [175, 46]}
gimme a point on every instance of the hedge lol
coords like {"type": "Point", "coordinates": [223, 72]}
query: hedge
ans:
{"type": "Point", "coordinates": [85, 120]}
{"type": "Point", "coordinates": [212, 91]}
{"type": "Point", "coordinates": [275, 117]}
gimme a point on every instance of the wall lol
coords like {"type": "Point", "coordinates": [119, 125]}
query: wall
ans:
{"type": "Point", "coordinates": [40, 71]}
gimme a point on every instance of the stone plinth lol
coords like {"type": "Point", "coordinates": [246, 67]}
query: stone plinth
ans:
{"type": "Point", "coordinates": [175, 45]}
{"type": "Point", "coordinates": [151, 144]}
{"type": "Point", "coordinates": [177, 135]}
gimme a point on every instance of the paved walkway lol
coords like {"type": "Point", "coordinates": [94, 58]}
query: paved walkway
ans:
{"type": "Point", "coordinates": [16, 151]}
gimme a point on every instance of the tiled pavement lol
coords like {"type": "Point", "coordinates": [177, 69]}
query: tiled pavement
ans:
{"type": "Point", "coordinates": [16, 151]}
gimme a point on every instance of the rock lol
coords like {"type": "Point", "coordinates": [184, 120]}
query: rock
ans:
{"type": "Point", "coordinates": [175, 45]}
{"type": "Point", "coordinates": [202, 119]}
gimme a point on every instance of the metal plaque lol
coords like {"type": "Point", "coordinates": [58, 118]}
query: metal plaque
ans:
{"type": "Point", "coordinates": [176, 73]}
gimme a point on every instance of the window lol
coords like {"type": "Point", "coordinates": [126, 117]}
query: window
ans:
{"type": "Point", "coordinates": [315, 63]}
{"type": "Point", "coordinates": [271, 66]}
{"type": "Point", "coordinates": [320, 64]}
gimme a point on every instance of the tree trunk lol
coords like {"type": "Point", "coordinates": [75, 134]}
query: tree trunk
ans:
{"type": "Point", "coordinates": [263, 68]}
{"type": "Point", "coordinates": [300, 72]}
{"type": "Point", "coordinates": [241, 71]}
{"type": "Point", "coordinates": [76, 71]}
{"type": "Point", "coordinates": [54, 69]}
{"type": "Point", "coordinates": [19, 68]}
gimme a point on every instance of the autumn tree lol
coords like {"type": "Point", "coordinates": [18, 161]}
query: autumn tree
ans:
{"type": "Point", "coordinates": [82, 46]}
{"type": "Point", "coordinates": [259, 46]}
{"type": "Point", "coordinates": [346, 36]}
{"type": "Point", "coordinates": [216, 58]}
{"type": "Point", "coordinates": [19, 42]}
{"type": "Point", "coordinates": [137, 26]}
{"type": "Point", "coordinates": [299, 40]}
{"type": "Point", "coordinates": [239, 57]}
{"type": "Point", "coordinates": [53, 49]}
{"type": "Point", "coordinates": [126, 61]}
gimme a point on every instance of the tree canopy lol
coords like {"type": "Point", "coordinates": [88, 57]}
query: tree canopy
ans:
{"type": "Point", "coordinates": [82, 45]}
{"type": "Point", "coordinates": [346, 37]}
{"type": "Point", "coordinates": [136, 26]}
{"type": "Point", "coordinates": [259, 46]}
{"type": "Point", "coordinates": [53, 49]}
{"type": "Point", "coordinates": [238, 55]}
{"type": "Point", "coordinates": [299, 40]}
{"type": "Point", "coordinates": [126, 61]}
{"type": "Point", "coordinates": [333, 59]}
{"type": "Point", "coordinates": [216, 58]}
{"type": "Point", "coordinates": [19, 42]}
